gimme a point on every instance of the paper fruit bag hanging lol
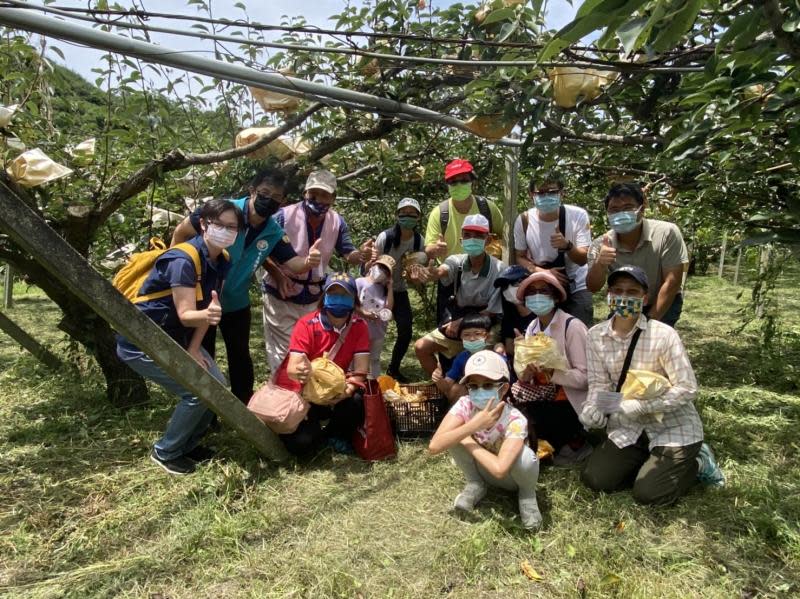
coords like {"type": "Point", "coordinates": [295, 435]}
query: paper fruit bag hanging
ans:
{"type": "Point", "coordinates": [572, 83]}
{"type": "Point", "coordinates": [34, 167]}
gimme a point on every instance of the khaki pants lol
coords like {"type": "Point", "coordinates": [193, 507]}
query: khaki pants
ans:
{"type": "Point", "coordinates": [279, 319]}
{"type": "Point", "coordinates": [659, 477]}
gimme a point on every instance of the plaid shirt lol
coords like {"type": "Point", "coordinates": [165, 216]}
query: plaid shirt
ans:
{"type": "Point", "coordinates": [671, 419]}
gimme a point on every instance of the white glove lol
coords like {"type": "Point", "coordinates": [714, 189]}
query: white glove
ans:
{"type": "Point", "coordinates": [632, 407]}
{"type": "Point", "coordinates": [591, 417]}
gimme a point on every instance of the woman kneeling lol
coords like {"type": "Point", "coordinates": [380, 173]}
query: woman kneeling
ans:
{"type": "Point", "coordinates": [486, 438]}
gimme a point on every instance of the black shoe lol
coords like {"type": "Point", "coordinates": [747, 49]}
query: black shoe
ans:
{"type": "Point", "coordinates": [180, 466]}
{"type": "Point", "coordinates": [201, 454]}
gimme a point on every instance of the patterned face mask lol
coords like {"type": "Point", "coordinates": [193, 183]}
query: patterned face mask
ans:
{"type": "Point", "coordinates": [625, 306]}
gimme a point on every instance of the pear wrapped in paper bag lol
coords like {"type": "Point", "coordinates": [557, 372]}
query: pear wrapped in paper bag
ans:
{"type": "Point", "coordinates": [644, 385]}
{"type": "Point", "coordinates": [326, 382]}
{"type": "Point", "coordinates": [540, 350]}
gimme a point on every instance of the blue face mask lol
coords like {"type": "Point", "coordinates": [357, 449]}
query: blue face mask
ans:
{"type": "Point", "coordinates": [338, 305]}
{"type": "Point", "coordinates": [547, 202]}
{"type": "Point", "coordinates": [480, 398]}
{"type": "Point", "coordinates": [539, 304]}
{"type": "Point", "coordinates": [473, 346]}
{"type": "Point", "coordinates": [315, 208]}
{"type": "Point", "coordinates": [473, 247]}
{"type": "Point", "coordinates": [624, 222]}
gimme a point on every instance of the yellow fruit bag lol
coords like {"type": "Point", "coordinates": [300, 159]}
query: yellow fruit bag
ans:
{"type": "Point", "coordinates": [644, 384]}
{"type": "Point", "coordinates": [538, 349]}
{"type": "Point", "coordinates": [327, 381]}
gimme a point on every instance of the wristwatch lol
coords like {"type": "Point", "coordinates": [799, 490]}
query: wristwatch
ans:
{"type": "Point", "coordinates": [569, 246]}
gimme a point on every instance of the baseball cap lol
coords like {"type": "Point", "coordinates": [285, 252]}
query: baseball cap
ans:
{"type": "Point", "coordinates": [545, 276]}
{"type": "Point", "coordinates": [458, 167]}
{"type": "Point", "coordinates": [476, 222]}
{"type": "Point", "coordinates": [387, 261]}
{"type": "Point", "coordinates": [634, 272]}
{"type": "Point", "coordinates": [511, 276]}
{"type": "Point", "coordinates": [486, 363]}
{"type": "Point", "coordinates": [343, 280]}
{"type": "Point", "coordinates": [322, 179]}
{"type": "Point", "coordinates": [409, 202]}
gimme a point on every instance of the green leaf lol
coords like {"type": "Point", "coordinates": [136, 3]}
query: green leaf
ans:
{"type": "Point", "coordinates": [739, 24]}
{"type": "Point", "coordinates": [630, 32]}
{"type": "Point", "coordinates": [678, 25]}
{"type": "Point", "coordinates": [498, 15]}
{"type": "Point", "coordinates": [506, 31]}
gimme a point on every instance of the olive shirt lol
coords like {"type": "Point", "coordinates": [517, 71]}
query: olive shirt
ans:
{"type": "Point", "coordinates": [660, 246]}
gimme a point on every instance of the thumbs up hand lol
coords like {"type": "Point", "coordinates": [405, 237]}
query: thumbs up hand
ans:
{"type": "Point", "coordinates": [314, 255]}
{"type": "Point", "coordinates": [607, 254]}
{"type": "Point", "coordinates": [214, 310]}
{"type": "Point", "coordinates": [440, 247]}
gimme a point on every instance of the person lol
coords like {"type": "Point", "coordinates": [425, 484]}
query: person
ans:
{"type": "Point", "coordinates": [516, 317]}
{"type": "Point", "coordinates": [375, 293]}
{"type": "Point", "coordinates": [654, 444]}
{"type": "Point", "coordinates": [397, 241]}
{"type": "Point", "coordinates": [261, 238]}
{"type": "Point", "coordinates": [314, 335]}
{"type": "Point", "coordinates": [311, 225]}
{"type": "Point", "coordinates": [442, 234]}
{"type": "Point", "coordinates": [655, 246]}
{"type": "Point", "coordinates": [558, 395]}
{"type": "Point", "coordinates": [556, 236]}
{"type": "Point", "coordinates": [486, 438]}
{"type": "Point", "coordinates": [474, 333]}
{"type": "Point", "coordinates": [472, 275]}
{"type": "Point", "coordinates": [178, 311]}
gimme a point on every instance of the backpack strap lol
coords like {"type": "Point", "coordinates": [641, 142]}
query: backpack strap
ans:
{"type": "Point", "coordinates": [524, 218]}
{"type": "Point", "coordinates": [191, 251]}
{"type": "Point", "coordinates": [484, 209]}
{"type": "Point", "coordinates": [417, 241]}
{"type": "Point", "coordinates": [444, 216]}
{"type": "Point", "coordinates": [628, 357]}
{"type": "Point", "coordinates": [340, 341]}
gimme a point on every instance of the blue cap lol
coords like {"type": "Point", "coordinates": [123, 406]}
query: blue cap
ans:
{"type": "Point", "coordinates": [511, 276]}
{"type": "Point", "coordinates": [634, 272]}
{"type": "Point", "coordinates": [343, 280]}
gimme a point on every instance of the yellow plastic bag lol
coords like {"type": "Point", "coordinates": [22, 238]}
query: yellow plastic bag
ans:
{"type": "Point", "coordinates": [84, 151]}
{"type": "Point", "coordinates": [495, 248]}
{"type": "Point", "coordinates": [282, 148]}
{"type": "Point", "coordinates": [538, 349]}
{"type": "Point", "coordinates": [326, 382]}
{"type": "Point", "coordinates": [570, 84]}
{"type": "Point", "coordinates": [490, 126]}
{"type": "Point", "coordinates": [644, 385]}
{"type": "Point", "coordinates": [544, 450]}
{"type": "Point", "coordinates": [34, 167]}
{"type": "Point", "coordinates": [274, 101]}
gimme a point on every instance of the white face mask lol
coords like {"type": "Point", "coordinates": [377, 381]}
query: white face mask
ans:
{"type": "Point", "coordinates": [510, 293]}
{"type": "Point", "coordinates": [220, 236]}
{"type": "Point", "coordinates": [377, 274]}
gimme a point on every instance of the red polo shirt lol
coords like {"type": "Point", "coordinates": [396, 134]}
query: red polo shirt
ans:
{"type": "Point", "coordinates": [313, 335]}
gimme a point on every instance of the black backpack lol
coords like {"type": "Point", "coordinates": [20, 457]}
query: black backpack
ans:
{"type": "Point", "coordinates": [444, 212]}
{"type": "Point", "coordinates": [393, 239]}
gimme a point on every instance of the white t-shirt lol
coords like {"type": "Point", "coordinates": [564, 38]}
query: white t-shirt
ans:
{"type": "Point", "coordinates": [373, 299]}
{"type": "Point", "coordinates": [537, 240]}
{"type": "Point", "coordinates": [397, 252]}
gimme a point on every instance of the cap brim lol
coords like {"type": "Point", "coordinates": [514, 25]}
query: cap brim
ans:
{"type": "Point", "coordinates": [464, 378]}
{"type": "Point", "coordinates": [348, 288]}
{"type": "Point", "coordinates": [321, 186]}
{"type": "Point", "coordinates": [475, 228]}
{"type": "Point", "coordinates": [615, 275]}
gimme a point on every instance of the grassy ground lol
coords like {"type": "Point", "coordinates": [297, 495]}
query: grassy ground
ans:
{"type": "Point", "coordinates": [85, 514]}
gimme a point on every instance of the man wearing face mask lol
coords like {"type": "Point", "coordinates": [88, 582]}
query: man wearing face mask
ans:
{"type": "Point", "coordinates": [397, 241]}
{"type": "Point", "coordinates": [655, 443]}
{"type": "Point", "coordinates": [553, 236]}
{"type": "Point", "coordinates": [657, 247]}
{"type": "Point", "coordinates": [314, 229]}
{"type": "Point", "coordinates": [262, 238]}
{"type": "Point", "coordinates": [472, 276]}
{"type": "Point", "coordinates": [443, 232]}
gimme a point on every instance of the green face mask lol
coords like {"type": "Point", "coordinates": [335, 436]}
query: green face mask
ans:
{"type": "Point", "coordinates": [407, 222]}
{"type": "Point", "coordinates": [460, 191]}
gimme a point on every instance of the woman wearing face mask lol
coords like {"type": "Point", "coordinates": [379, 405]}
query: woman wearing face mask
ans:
{"type": "Point", "coordinates": [262, 238]}
{"type": "Point", "coordinates": [397, 241]}
{"type": "Point", "coordinates": [184, 308]}
{"type": "Point", "coordinates": [553, 399]}
{"type": "Point", "coordinates": [312, 336]}
{"type": "Point", "coordinates": [376, 297]}
{"type": "Point", "coordinates": [486, 438]}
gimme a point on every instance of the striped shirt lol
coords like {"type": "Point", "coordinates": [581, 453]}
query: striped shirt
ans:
{"type": "Point", "coordinates": [671, 419]}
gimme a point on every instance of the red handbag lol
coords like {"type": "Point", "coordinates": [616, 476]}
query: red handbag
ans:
{"type": "Point", "coordinates": [374, 440]}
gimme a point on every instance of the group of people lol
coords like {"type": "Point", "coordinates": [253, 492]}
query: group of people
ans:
{"type": "Point", "coordinates": [498, 413]}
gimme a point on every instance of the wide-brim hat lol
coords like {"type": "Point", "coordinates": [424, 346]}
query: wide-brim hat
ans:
{"type": "Point", "coordinates": [546, 277]}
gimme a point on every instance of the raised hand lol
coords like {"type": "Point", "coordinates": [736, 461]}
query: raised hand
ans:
{"type": "Point", "coordinates": [558, 241]}
{"type": "Point", "coordinates": [608, 254]}
{"type": "Point", "coordinates": [214, 310]}
{"type": "Point", "coordinates": [440, 247]}
{"type": "Point", "coordinates": [314, 255]}
{"type": "Point", "coordinates": [488, 416]}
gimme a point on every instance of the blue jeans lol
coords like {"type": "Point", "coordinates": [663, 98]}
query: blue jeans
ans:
{"type": "Point", "coordinates": [191, 418]}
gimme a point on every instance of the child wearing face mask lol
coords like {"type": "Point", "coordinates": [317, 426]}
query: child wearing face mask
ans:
{"type": "Point", "coordinates": [376, 297]}
{"type": "Point", "coordinates": [487, 439]}
{"type": "Point", "coordinates": [553, 399]}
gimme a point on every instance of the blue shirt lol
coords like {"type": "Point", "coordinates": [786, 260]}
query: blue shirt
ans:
{"type": "Point", "coordinates": [247, 253]}
{"type": "Point", "coordinates": [456, 372]}
{"type": "Point", "coordinates": [175, 268]}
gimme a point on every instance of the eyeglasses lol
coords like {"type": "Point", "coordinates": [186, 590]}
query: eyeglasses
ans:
{"type": "Point", "coordinates": [484, 386]}
{"type": "Point", "coordinates": [228, 228]}
{"type": "Point", "coordinates": [624, 208]}
{"type": "Point", "coordinates": [546, 192]}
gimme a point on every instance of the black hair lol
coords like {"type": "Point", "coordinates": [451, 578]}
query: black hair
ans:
{"type": "Point", "coordinates": [547, 177]}
{"type": "Point", "coordinates": [475, 321]}
{"type": "Point", "coordinates": [270, 176]}
{"type": "Point", "coordinates": [631, 190]}
{"type": "Point", "coordinates": [211, 210]}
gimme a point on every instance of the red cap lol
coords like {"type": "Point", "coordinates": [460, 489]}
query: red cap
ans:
{"type": "Point", "coordinates": [457, 167]}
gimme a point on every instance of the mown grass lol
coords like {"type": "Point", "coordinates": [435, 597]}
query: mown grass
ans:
{"type": "Point", "coordinates": [85, 514]}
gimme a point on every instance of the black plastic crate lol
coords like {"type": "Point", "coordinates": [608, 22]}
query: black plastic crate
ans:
{"type": "Point", "coordinates": [418, 419]}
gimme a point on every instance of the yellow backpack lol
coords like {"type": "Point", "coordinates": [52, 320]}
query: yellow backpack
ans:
{"type": "Point", "coordinates": [131, 277]}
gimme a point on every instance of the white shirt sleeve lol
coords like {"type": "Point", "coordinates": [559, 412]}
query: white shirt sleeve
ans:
{"type": "Point", "coordinates": [583, 233]}
{"type": "Point", "coordinates": [520, 243]}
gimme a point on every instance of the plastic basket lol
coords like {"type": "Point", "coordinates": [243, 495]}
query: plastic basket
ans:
{"type": "Point", "coordinates": [418, 419]}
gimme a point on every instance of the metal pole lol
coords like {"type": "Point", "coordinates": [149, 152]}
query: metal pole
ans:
{"type": "Point", "coordinates": [29, 21]}
{"type": "Point", "coordinates": [722, 254]}
{"type": "Point", "coordinates": [510, 192]}
{"type": "Point", "coordinates": [738, 264]}
{"type": "Point", "coordinates": [8, 287]}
